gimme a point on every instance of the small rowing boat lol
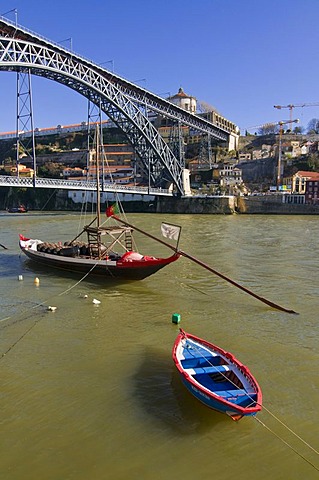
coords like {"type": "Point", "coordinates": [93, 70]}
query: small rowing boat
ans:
{"type": "Point", "coordinates": [19, 209]}
{"type": "Point", "coordinates": [215, 377]}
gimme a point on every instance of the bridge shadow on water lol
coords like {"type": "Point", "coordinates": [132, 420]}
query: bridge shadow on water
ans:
{"type": "Point", "coordinates": [159, 391]}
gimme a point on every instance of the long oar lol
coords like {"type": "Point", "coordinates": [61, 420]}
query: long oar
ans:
{"type": "Point", "coordinates": [3, 246]}
{"type": "Point", "coordinates": [204, 265]}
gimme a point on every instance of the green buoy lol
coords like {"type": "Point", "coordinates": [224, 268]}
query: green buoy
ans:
{"type": "Point", "coordinates": [176, 318]}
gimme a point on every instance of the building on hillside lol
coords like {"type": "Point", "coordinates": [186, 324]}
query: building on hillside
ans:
{"type": "Point", "coordinates": [196, 164]}
{"type": "Point", "coordinates": [286, 185]}
{"type": "Point", "coordinates": [199, 179]}
{"type": "Point", "coordinates": [119, 153]}
{"type": "Point", "coordinates": [23, 170]}
{"type": "Point", "coordinates": [26, 172]}
{"type": "Point", "coordinates": [295, 149]}
{"type": "Point", "coordinates": [75, 172]}
{"type": "Point", "coordinates": [265, 151]}
{"type": "Point", "coordinates": [189, 103]}
{"type": "Point", "coordinates": [181, 99]}
{"type": "Point", "coordinates": [113, 173]}
{"type": "Point", "coordinates": [242, 156]}
{"type": "Point", "coordinates": [300, 180]}
{"type": "Point", "coordinates": [230, 176]}
{"type": "Point", "coordinates": [312, 190]}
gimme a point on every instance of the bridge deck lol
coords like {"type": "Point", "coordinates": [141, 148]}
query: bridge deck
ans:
{"type": "Point", "coordinates": [28, 182]}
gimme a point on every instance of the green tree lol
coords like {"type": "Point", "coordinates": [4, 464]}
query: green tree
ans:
{"type": "Point", "coordinates": [313, 162]}
{"type": "Point", "coordinates": [268, 129]}
{"type": "Point", "coordinates": [313, 126]}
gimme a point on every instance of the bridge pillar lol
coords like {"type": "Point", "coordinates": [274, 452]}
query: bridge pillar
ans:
{"type": "Point", "coordinates": [186, 182]}
{"type": "Point", "coordinates": [233, 142]}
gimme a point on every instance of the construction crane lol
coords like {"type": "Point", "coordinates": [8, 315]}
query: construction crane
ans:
{"type": "Point", "coordinates": [292, 106]}
{"type": "Point", "coordinates": [272, 124]}
{"type": "Point", "coordinates": [281, 123]}
{"type": "Point", "coordinates": [279, 149]}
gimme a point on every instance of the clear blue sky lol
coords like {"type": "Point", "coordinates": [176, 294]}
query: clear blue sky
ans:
{"type": "Point", "coordinates": [241, 56]}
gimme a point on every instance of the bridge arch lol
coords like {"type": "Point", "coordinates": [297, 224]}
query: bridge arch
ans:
{"type": "Point", "coordinates": [19, 55]}
{"type": "Point", "coordinates": [126, 104]}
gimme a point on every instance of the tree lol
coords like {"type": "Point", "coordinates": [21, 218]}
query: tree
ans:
{"type": "Point", "coordinates": [298, 130]}
{"type": "Point", "coordinates": [313, 162]}
{"type": "Point", "coordinates": [268, 129]}
{"type": "Point", "coordinates": [51, 170]}
{"type": "Point", "coordinates": [313, 125]}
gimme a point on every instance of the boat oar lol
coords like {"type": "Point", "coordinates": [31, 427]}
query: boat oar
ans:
{"type": "Point", "coordinates": [3, 246]}
{"type": "Point", "coordinates": [262, 299]}
{"type": "Point", "coordinates": [212, 270]}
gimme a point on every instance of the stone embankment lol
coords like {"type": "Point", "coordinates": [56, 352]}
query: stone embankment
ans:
{"type": "Point", "coordinates": [273, 205]}
{"type": "Point", "coordinates": [259, 204]}
{"type": "Point", "coordinates": [197, 205]}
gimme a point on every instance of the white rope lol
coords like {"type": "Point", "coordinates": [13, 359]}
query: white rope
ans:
{"type": "Point", "coordinates": [273, 415]}
{"type": "Point", "coordinates": [291, 431]}
{"type": "Point", "coordinates": [37, 306]}
{"type": "Point", "coordinates": [288, 445]}
{"type": "Point", "coordinates": [77, 283]}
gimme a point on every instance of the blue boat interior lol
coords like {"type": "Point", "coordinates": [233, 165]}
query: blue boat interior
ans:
{"type": "Point", "coordinates": [218, 374]}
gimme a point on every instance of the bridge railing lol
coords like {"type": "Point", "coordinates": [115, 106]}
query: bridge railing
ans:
{"type": "Point", "coordinates": [28, 182]}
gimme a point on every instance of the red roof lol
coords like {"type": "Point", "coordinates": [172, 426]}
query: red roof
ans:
{"type": "Point", "coordinates": [310, 175]}
{"type": "Point", "coordinates": [181, 94]}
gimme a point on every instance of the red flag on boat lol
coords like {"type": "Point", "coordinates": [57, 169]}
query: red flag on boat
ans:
{"type": "Point", "coordinates": [112, 210]}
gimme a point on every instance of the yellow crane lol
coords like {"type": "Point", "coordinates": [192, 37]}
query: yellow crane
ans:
{"type": "Point", "coordinates": [291, 106]}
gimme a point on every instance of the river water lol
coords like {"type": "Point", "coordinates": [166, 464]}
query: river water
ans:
{"type": "Point", "coordinates": [89, 392]}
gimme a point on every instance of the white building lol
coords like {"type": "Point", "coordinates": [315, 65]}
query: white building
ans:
{"type": "Point", "coordinates": [187, 102]}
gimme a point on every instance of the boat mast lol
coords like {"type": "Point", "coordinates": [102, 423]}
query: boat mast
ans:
{"type": "Point", "coordinates": [98, 194]}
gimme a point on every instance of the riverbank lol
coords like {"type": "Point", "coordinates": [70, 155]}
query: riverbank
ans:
{"type": "Point", "coordinates": [59, 200]}
{"type": "Point", "coordinates": [263, 204]}
{"type": "Point", "coordinates": [273, 205]}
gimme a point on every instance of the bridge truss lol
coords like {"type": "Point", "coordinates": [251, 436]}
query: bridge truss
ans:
{"type": "Point", "coordinates": [129, 106]}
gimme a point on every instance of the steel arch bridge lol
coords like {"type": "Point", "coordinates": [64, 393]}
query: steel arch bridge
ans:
{"type": "Point", "coordinates": [126, 104]}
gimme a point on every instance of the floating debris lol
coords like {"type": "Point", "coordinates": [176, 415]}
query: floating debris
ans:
{"type": "Point", "coordinates": [36, 281]}
{"type": "Point", "coordinates": [96, 302]}
{"type": "Point", "coordinates": [52, 309]}
{"type": "Point", "coordinates": [20, 278]}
